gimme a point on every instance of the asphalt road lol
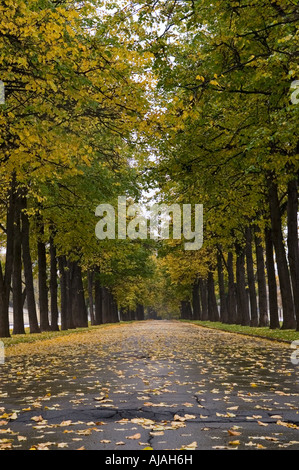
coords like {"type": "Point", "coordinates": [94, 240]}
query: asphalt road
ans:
{"type": "Point", "coordinates": [157, 385]}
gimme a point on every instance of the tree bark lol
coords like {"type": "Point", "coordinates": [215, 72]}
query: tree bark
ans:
{"type": "Point", "coordinates": [223, 303]}
{"type": "Point", "coordinates": [231, 297]}
{"type": "Point", "coordinates": [42, 280]}
{"type": "Point", "coordinates": [18, 314]}
{"type": "Point", "coordinates": [53, 286]}
{"type": "Point", "coordinates": [243, 317]}
{"type": "Point", "coordinates": [272, 286]}
{"type": "Point", "coordinates": [204, 299]}
{"type": "Point", "coordinates": [186, 310]}
{"type": "Point", "coordinates": [122, 314]}
{"type": "Point", "coordinates": [77, 297]}
{"type": "Point", "coordinates": [63, 292]}
{"type": "Point", "coordinates": [212, 303]}
{"type": "Point", "coordinates": [5, 277]}
{"type": "Point", "coordinates": [261, 280]}
{"type": "Point", "coordinates": [196, 300]}
{"type": "Point", "coordinates": [293, 249]}
{"type": "Point", "coordinates": [70, 295]}
{"type": "Point", "coordinates": [105, 306]}
{"type": "Point", "coordinates": [27, 263]}
{"type": "Point", "coordinates": [251, 279]}
{"type": "Point", "coordinates": [289, 321]}
{"type": "Point", "coordinates": [98, 299]}
{"type": "Point", "coordinates": [90, 278]}
{"type": "Point", "coordinates": [140, 312]}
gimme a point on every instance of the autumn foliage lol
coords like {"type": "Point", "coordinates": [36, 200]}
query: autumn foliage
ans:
{"type": "Point", "coordinates": [107, 99]}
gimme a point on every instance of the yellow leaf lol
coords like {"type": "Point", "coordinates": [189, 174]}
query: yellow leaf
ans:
{"type": "Point", "coordinates": [234, 443]}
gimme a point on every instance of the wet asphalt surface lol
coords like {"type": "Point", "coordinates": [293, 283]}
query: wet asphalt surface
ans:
{"type": "Point", "coordinates": [158, 384]}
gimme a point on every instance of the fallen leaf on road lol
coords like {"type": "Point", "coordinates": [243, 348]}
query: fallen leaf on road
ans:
{"type": "Point", "coordinates": [135, 436]}
{"type": "Point", "coordinates": [191, 446]}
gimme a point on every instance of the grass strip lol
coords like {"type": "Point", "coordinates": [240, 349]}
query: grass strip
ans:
{"type": "Point", "coordinates": [261, 332]}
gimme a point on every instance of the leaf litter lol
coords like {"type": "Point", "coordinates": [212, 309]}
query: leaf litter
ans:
{"type": "Point", "coordinates": [223, 378]}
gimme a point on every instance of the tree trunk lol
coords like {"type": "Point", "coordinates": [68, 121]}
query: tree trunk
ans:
{"type": "Point", "coordinates": [196, 300]}
{"type": "Point", "coordinates": [293, 249]}
{"type": "Point", "coordinates": [289, 321]}
{"type": "Point", "coordinates": [4, 318]}
{"type": "Point", "coordinates": [114, 307]}
{"type": "Point", "coordinates": [261, 280]}
{"type": "Point", "coordinates": [231, 297]}
{"type": "Point", "coordinates": [122, 314]}
{"type": "Point", "coordinates": [251, 279]}
{"type": "Point", "coordinates": [212, 303]}
{"type": "Point", "coordinates": [140, 312]}
{"type": "Point", "coordinates": [63, 292]}
{"type": "Point", "coordinates": [243, 317]}
{"type": "Point", "coordinates": [223, 303]}
{"type": "Point", "coordinates": [272, 286]}
{"type": "Point", "coordinates": [27, 263]}
{"type": "Point", "coordinates": [53, 286]}
{"type": "Point", "coordinates": [42, 280]}
{"type": "Point", "coordinates": [5, 277]}
{"type": "Point", "coordinates": [98, 299]}
{"type": "Point", "coordinates": [90, 276]}
{"type": "Point", "coordinates": [70, 295]}
{"type": "Point", "coordinates": [106, 305]}
{"type": "Point", "coordinates": [78, 298]}
{"type": "Point", "coordinates": [18, 315]}
{"type": "Point", "coordinates": [204, 299]}
{"type": "Point", "coordinates": [79, 310]}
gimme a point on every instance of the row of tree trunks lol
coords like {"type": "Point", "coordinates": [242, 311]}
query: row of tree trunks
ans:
{"type": "Point", "coordinates": [203, 305]}
{"type": "Point", "coordinates": [186, 310]}
{"type": "Point", "coordinates": [103, 307]}
{"type": "Point", "coordinates": [134, 314]}
{"type": "Point", "coordinates": [285, 283]}
{"type": "Point", "coordinates": [65, 278]}
{"type": "Point", "coordinates": [74, 312]}
{"type": "Point", "coordinates": [249, 296]}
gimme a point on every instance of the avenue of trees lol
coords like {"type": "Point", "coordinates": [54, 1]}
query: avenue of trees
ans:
{"type": "Point", "coordinates": [230, 141]}
{"type": "Point", "coordinates": [191, 99]}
